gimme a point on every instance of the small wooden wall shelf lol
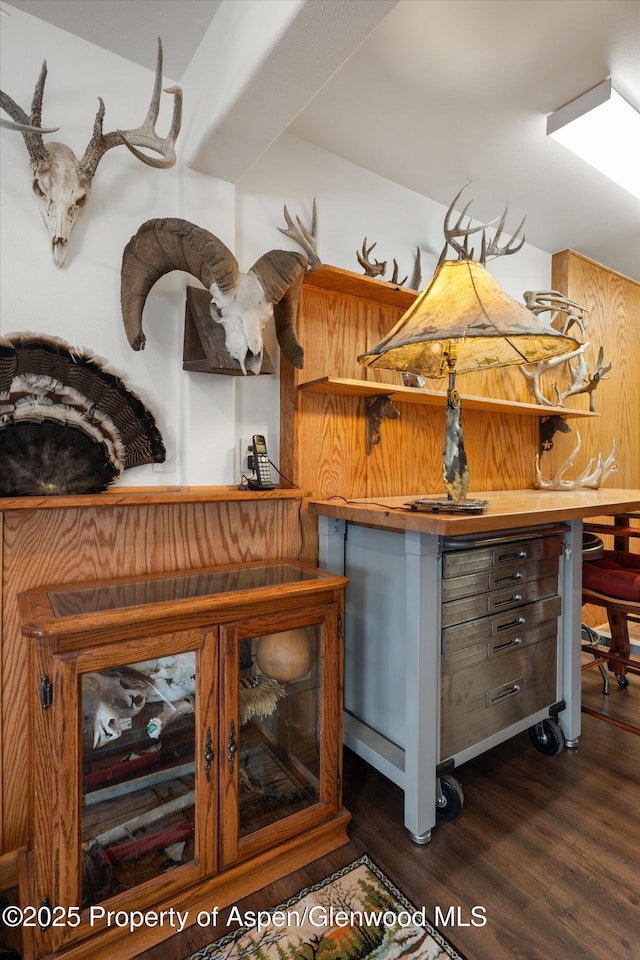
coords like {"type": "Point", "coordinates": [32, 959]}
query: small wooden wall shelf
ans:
{"type": "Point", "coordinates": [366, 388]}
{"type": "Point", "coordinates": [346, 283]}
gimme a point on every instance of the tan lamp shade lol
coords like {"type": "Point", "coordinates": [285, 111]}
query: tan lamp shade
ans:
{"type": "Point", "coordinates": [464, 321]}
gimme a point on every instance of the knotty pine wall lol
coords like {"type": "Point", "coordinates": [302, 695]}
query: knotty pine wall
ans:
{"type": "Point", "coordinates": [123, 531]}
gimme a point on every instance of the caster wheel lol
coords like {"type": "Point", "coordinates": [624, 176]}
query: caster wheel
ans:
{"type": "Point", "coordinates": [449, 799]}
{"type": "Point", "coordinates": [622, 680]}
{"type": "Point", "coordinates": [547, 737]}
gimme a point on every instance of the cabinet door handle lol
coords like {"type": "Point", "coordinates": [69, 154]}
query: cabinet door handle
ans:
{"type": "Point", "coordinates": [208, 755]}
{"type": "Point", "coordinates": [232, 746]}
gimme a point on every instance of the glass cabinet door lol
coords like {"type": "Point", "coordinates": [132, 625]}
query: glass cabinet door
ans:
{"type": "Point", "coordinates": [278, 774]}
{"type": "Point", "coordinates": [138, 753]}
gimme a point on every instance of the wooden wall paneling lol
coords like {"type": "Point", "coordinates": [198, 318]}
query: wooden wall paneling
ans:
{"type": "Point", "coordinates": [323, 437]}
{"type": "Point", "coordinates": [613, 321]}
{"type": "Point", "coordinates": [6, 878]}
{"type": "Point", "coordinates": [500, 450]}
{"type": "Point", "coordinates": [84, 542]}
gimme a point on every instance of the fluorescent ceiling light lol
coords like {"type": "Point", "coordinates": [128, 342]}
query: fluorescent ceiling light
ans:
{"type": "Point", "coordinates": [602, 128]}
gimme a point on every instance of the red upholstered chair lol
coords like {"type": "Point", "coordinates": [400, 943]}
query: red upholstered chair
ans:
{"type": "Point", "coordinates": [611, 579]}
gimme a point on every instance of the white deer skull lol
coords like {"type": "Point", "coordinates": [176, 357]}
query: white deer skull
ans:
{"type": "Point", "coordinates": [62, 182]}
{"type": "Point", "coordinates": [63, 192]}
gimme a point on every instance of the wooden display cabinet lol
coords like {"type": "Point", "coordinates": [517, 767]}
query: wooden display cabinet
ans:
{"type": "Point", "coordinates": [185, 746]}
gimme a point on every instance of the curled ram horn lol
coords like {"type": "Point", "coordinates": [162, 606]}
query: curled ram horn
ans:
{"type": "Point", "coordinates": [281, 273]}
{"type": "Point", "coordinates": [159, 247]}
{"type": "Point", "coordinates": [241, 303]}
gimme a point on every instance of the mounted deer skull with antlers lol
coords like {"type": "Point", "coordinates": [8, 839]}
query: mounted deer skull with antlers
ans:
{"type": "Point", "coordinates": [62, 182]}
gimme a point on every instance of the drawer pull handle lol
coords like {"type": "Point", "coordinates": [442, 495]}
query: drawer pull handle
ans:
{"type": "Point", "coordinates": [499, 647]}
{"type": "Point", "coordinates": [502, 694]}
{"type": "Point", "coordinates": [511, 578]}
{"type": "Point", "coordinates": [507, 557]}
{"type": "Point", "coordinates": [514, 598]}
{"type": "Point", "coordinates": [518, 622]}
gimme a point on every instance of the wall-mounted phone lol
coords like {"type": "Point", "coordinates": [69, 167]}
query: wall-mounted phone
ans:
{"type": "Point", "coordinates": [261, 466]}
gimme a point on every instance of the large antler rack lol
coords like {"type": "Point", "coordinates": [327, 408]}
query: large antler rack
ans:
{"type": "Point", "coordinates": [581, 381]}
{"type": "Point", "coordinates": [457, 235]}
{"type": "Point", "coordinates": [143, 136]}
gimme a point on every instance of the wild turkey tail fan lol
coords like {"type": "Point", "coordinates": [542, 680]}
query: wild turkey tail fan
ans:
{"type": "Point", "coordinates": [46, 458]}
{"type": "Point", "coordinates": [161, 246]}
{"type": "Point", "coordinates": [281, 273]}
{"type": "Point", "coordinates": [67, 425]}
{"type": "Point", "coordinates": [7, 364]}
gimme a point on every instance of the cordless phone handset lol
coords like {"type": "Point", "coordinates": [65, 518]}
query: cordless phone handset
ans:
{"type": "Point", "coordinates": [262, 480]}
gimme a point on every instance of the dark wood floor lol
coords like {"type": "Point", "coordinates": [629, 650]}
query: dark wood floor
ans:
{"type": "Point", "coordinates": [549, 847]}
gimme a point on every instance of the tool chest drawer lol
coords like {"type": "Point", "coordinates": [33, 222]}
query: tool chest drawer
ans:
{"type": "Point", "coordinates": [500, 609]}
{"type": "Point", "coordinates": [497, 577]}
{"type": "Point", "coordinates": [503, 575]}
{"type": "Point", "coordinates": [479, 701]}
{"type": "Point", "coordinates": [495, 636]}
{"type": "Point", "coordinates": [497, 601]}
{"type": "Point", "coordinates": [494, 556]}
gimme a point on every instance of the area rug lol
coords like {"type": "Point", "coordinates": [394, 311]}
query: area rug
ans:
{"type": "Point", "coordinates": [354, 914]}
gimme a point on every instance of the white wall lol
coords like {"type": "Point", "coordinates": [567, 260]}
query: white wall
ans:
{"type": "Point", "coordinates": [201, 416]}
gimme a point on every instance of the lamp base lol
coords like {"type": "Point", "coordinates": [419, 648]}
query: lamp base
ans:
{"type": "Point", "coordinates": [447, 505]}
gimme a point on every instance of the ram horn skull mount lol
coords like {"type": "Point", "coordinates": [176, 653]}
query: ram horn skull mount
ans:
{"type": "Point", "coordinates": [241, 302]}
{"type": "Point", "coordinates": [61, 182]}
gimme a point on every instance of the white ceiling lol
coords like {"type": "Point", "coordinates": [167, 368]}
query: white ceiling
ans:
{"type": "Point", "coordinates": [441, 92]}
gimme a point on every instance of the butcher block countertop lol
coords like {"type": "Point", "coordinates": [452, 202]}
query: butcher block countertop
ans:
{"type": "Point", "coordinates": [507, 510]}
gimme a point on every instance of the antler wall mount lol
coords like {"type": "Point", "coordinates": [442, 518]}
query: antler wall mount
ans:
{"type": "Point", "coordinates": [563, 314]}
{"type": "Point", "coordinates": [61, 181]}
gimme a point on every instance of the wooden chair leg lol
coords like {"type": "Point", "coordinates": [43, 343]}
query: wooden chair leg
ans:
{"type": "Point", "coordinates": [620, 644]}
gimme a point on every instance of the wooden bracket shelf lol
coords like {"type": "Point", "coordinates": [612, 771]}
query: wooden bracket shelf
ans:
{"type": "Point", "coordinates": [400, 394]}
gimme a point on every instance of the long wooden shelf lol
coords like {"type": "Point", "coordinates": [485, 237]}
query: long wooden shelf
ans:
{"type": "Point", "coordinates": [400, 394]}
{"type": "Point", "coordinates": [124, 496]}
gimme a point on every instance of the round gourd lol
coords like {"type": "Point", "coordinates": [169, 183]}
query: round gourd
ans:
{"type": "Point", "coordinates": [285, 656]}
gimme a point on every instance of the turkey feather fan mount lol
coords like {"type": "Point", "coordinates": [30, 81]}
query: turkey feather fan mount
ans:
{"type": "Point", "coordinates": [67, 424]}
